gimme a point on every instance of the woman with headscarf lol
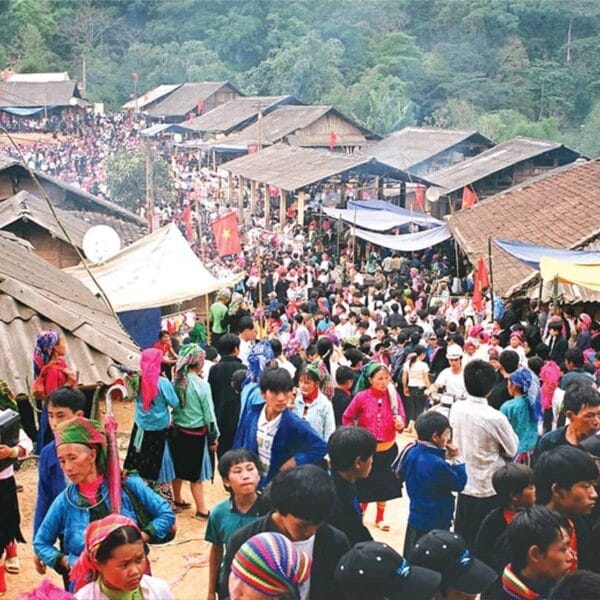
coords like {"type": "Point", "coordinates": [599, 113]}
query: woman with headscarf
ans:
{"type": "Point", "coordinates": [81, 447]}
{"type": "Point", "coordinates": [50, 371]}
{"type": "Point", "coordinates": [195, 430]}
{"type": "Point", "coordinates": [148, 452]}
{"type": "Point", "coordinates": [10, 518]}
{"type": "Point", "coordinates": [377, 408]}
{"type": "Point", "coordinates": [524, 411]}
{"type": "Point", "coordinates": [584, 336]}
{"type": "Point", "coordinates": [261, 356]}
{"type": "Point", "coordinates": [113, 564]}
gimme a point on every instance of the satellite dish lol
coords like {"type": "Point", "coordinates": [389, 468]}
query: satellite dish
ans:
{"type": "Point", "coordinates": [432, 194]}
{"type": "Point", "coordinates": [100, 243]}
{"type": "Point", "coordinates": [177, 138]}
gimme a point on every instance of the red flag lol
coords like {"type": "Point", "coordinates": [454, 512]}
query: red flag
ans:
{"type": "Point", "coordinates": [200, 106]}
{"type": "Point", "coordinates": [186, 217]}
{"type": "Point", "coordinates": [332, 139]}
{"type": "Point", "coordinates": [420, 195]}
{"type": "Point", "coordinates": [480, 283]}
{"type": "Point", "coordinates": [252, 148]}
{"type": "Point", "coordinates": [469, 197]}
{"type": "Point", "coordinates": [227, 235]}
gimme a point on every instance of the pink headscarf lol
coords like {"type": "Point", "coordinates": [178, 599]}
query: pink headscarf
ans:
{"type": "Point", "coordinates": [585, 320]}
{"type": "Point", "coordinates": [84, 568]}
{"type": "Point", "coordinates": [150, 372]}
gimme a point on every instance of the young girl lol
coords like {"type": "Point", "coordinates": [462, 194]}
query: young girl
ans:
{"type": "Point", "coordinates": [415, 380]}
{"type": "Point", "coordinates": [113, 564]}
{"type": "Point", "coordinates": [312, 405]}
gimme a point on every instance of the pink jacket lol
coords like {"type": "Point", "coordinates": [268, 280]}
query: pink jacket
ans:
{"type": "Point", "coordinates": [373, 411]}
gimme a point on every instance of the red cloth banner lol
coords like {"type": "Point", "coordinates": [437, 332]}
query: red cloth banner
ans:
{"type": "Point", "coordinates": [469, 197]}
{"type": "Point", "coordinates": [227, 235]}
{"type": "Point", "coordinates": [420, 196]}
{"type": "Point", "coordinates": [480, 283]}
{"type": "Point", "coordinates": [332, 139]}
{"type": "Point", "coordinates": [186, 217]}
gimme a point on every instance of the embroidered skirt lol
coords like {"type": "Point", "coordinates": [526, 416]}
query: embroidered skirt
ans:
{"type": "Point", "coordinates": [10, 518]}
{"type": "Point", "coordinates": [150, 457]}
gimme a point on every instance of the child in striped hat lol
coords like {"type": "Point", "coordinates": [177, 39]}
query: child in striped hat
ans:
{"type": "Point", "coordinates": [268, 566]}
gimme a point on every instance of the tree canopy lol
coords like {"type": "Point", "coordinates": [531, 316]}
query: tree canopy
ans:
{"type": "Point", "coordinates": [502, 66]}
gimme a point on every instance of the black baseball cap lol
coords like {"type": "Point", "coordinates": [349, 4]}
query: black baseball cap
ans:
{"type": "Point", "coordinates": [375, 570]}
{"type": "Point", "coordinates": [447, 553]}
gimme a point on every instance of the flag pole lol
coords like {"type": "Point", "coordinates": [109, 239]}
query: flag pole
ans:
{"type": "Point", "coordinates": [491, 276]}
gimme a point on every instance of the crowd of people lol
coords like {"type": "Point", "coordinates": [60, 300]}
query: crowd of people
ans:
{"type": "Point", "coordinates": [300, 400]}
{"type": "Point", "coordinates": [334, 375]}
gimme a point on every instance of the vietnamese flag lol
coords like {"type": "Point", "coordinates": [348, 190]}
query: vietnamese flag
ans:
{"type": "Point", "coordinates": [469, 197]}
{"type": "Point", "coordinates": [227, 235]}
{"type": "Point", "coordinates": [419, 195]}
{"type": "Point", "coordinates": [186, 217]}
{"type": "Point", "coordinates": [332, 139]}
{"type": "Point", "coordinates": [200, 106]}
{"type": "Point", "coordinates": [480, 283]}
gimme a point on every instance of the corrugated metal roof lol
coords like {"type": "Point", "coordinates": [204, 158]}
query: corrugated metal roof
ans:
{"type": "Point", "coordinates": [151, 96]}
{"type": "Point", "coordinates": [28, 94]}
{"type": "Point", "coordinates": [236, 112]}
{"type": "Point", "coordinates": [560, 209]}
{"type": "Point", "coordinates": [286, 120]}
{"type": "Point", "coordinates": [39, 77]}
{"type": "Point", "coordinates": [34, 296]}
{"type": "Point", "coordinates": [186, 97]}
{"type": "Point", "coordinates": [412, 145]}
{"type": "Point", "coordinates": [492, 161]}
{"type": "Point", "coordinates": [24, 206]}
{"type": "Point", "coordinates": [293, 167]}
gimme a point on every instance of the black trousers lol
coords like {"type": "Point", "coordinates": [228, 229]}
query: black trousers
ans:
{"type": "Point", "coordinates": [415, 403]}
{"type": "Point", "coordinates": [470, 512]}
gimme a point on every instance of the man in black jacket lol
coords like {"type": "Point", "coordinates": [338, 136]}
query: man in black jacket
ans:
{"type": "Point", "coordinates": [301, 498]}
{"type": "Point", "coordinates": [219, 379]}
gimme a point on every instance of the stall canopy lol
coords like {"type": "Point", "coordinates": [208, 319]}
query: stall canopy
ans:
{"type": "Point", "coordinates": [407, 242]}
{"type": "Point", "coordinates": [158, 270]}
{"type": "Point", "coordinates": [587, 275]}
{"type": "Point", "coordinates": [532, 255]}
{"type": "Point", "coordinates": [380, 220]}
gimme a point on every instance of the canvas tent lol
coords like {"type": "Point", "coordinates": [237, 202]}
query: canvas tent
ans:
{"type": "Point", "coordinates": [158, 270]}
{"type": "Point", "coordinates": [586, 275]}
{"type": "Point", "coordinates": [407, 242]}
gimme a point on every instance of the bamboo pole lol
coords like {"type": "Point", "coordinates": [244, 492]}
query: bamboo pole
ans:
{"type": "Point", "coordinates": [491, 277]}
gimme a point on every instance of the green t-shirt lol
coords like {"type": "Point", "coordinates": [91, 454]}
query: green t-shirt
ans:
{"type": "Point", "coordinates": [218, 312]}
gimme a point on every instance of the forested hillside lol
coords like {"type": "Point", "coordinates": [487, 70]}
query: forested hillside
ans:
{"type": "Point", "coordinates": [505, 67]}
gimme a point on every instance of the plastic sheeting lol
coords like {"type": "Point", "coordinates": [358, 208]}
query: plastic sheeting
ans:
{"type": "Point", "coordinates": [158, 270]}
{"type": "Point", "coordinates": [24, 112]}
{"type": "Point", "coordinates": [407, 242]}
{"type": "Point", "coordinates": [142, 325]}
{"type": "Point", "coordinates": [532, 255]}
{"type": "Point", "coordinates": [383, 205]}
{"type": "Point", "coordinates": [582, 275]}
{"type": "Point", "coordinates": [379, 219]}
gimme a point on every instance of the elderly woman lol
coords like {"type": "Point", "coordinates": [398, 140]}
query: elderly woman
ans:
{"type": "Point", "coordinates": [148, 452]}
{"type": "Point", "coordinates": [377, 408]}
{"type": "Point", "coordinates": [81, 448]}
{"type": "Point", "coordinates": [50, 371]}
{"type": "Point", "coordinates": [196, 430]}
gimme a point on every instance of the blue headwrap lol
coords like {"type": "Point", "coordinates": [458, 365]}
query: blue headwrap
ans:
{"type": "Point", "coordinates": [260, 356]}
{"type": "Point", "coordinates": [529, 384]}
{"type": "Point", "coordinates": [44, 346]}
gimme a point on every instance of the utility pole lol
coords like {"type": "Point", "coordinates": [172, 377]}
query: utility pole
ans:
{"type": "Point", "coordinates": [83, 76]}
{"type": "Point", "coordinates": [149, 187]}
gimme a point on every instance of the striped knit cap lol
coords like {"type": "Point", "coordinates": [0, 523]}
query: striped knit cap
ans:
{"type": "Point", "coordinates": [270, 564]}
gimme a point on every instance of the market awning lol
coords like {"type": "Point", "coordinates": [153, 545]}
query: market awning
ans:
{"type": "Point", "coordinates": [407, 242]}
{"type": "Point", "coordinates": [531, 255]}
{"type": "Point", "coordinates": [582, 275]}
{"type": "Point", "coordinates": [381, 220]}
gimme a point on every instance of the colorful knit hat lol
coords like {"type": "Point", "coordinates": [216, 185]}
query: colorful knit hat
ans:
{"type": "Point", "coordinates": [270, 564]}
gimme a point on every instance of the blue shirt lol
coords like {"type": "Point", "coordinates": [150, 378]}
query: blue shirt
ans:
{"type": "Point", "coordinates": [518, 413]}
{"type": "Point", "coordinates": [157, 417]}
{"type": "Point", "coordinates": [51, 482]}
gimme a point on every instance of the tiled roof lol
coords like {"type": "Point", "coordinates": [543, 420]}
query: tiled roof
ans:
{"type": "Point", "coordinates": [560, 209]}
{"type": "Point", "coordinates": [34, 295]}
{"type": "Point", "coordinates": [34, 94]}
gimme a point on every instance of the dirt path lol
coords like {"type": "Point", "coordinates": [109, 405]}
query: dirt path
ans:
{"type": "Point", "coordinates": [168, 561]}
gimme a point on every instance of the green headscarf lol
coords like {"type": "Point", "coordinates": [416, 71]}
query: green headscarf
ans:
{"type": "Point", "coordinates": [198, 333]}
{"type": "Point", "coordinates": [362, 383]}
{"type": "Point", "coordinates": [190, 354]}
{"type": "Point", "coordinates": [88, 432]}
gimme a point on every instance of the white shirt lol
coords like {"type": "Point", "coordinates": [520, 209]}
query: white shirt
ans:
{"type": "Point", "coordinates": [245, 348]}
{"type": "Point", "coordinates": [416, 373]}
{"type": "Point", "coordinates": [265, 432]}
{"type": "Point", "coordinates": [287, 365]}
{"type": "Point", "coordinates": [307, 546]}
{"type": "Point", "coordinates": [453, 382]}
{"type": "Point", "coordinates": [485, 440]}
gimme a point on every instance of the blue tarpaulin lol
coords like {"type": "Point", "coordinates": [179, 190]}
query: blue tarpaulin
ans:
{"type": "Point", "coordinates": [407, 242]}
{"type": "Point", "coordinates": [531, 254]}
{"type": "Point", "coordinates": [24, 112]}
{"type": "Point", "coordinates": [142, 325]}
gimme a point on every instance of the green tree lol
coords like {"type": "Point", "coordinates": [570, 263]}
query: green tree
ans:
{"type": "Point", "coordinates": [33, 53]}
{"type": "Point", "coordinates": [589, 140]}
{"type": "Point", "coordinates": [309, 69]}
{"type": "Point", "coordinates": [126, 178]}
